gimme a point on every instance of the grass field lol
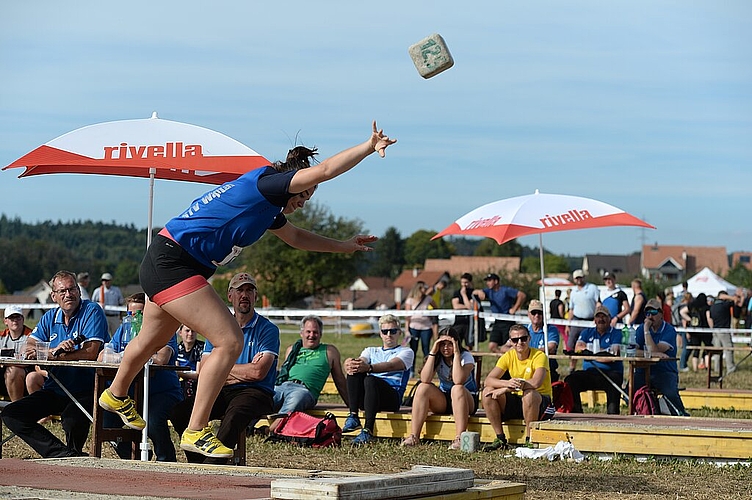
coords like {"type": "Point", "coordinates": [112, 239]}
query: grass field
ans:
{"type": "Point", "coordinates": [615, 478]}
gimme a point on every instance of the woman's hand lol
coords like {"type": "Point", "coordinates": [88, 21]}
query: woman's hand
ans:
{"type": "Point", "coordinates": [358, 242]}
{"type": "Point", "coordinates": [379, 141]}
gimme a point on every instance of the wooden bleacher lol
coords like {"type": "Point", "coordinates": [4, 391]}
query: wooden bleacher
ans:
{"type": "Point", "coordinates": [694, 399]}
{"type": "Point", "coordinates": [706, 438]}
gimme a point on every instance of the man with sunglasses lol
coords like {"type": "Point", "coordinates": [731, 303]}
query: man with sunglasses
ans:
{"type": "Point", "coordinates": [59, 326]}
{"type": "Point", "coordinates": [593, 374]}
{"type": "Point", "coordinates": [538, 338]}
{"type": "Point", "coordinates": [659, 338]}
{"type": "Point", "coordinates": [526, 395]}
{"type": "Point", "coordinates": [376, 380]}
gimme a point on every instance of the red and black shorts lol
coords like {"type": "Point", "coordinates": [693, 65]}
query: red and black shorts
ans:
{"type": "Point", "coordinates": [168, 272]}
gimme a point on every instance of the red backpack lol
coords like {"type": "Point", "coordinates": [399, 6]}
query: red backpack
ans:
{"type": "Point", "coordinates": [306, 430]}
{"type": "Point", "coordinates": [645, 402]}
{"type": "Point", "coordinates": [562, 396]}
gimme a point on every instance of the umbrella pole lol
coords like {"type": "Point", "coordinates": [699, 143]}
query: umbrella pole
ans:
{"type": "Point", "coordinates": [543, 294]}
{"type": "Point", "coordinates": [145, 432]}
{"type": "Point", "coordinates": [152, 173]}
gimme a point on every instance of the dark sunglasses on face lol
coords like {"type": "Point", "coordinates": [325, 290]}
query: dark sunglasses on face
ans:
{"type": "Point", "coordinates": [652, 312]}
{"type": "Point", "coordinates": [514, 340]}
{"type": "Point", "coordinates": [536, 313]}
{"type": "Point", "coordinates": [390, 331]}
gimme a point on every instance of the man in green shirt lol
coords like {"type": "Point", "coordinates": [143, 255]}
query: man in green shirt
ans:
{"type": "Point", "coordinates": [307, 365]}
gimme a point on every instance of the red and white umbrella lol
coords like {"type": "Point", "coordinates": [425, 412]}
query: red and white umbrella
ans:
{"type": "Point", "coordinates": [539, 213]}
{"type": "Point", "coordinates": [151, 147]}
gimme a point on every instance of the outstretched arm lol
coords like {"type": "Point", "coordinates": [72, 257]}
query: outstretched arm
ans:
{"type": "Point", "coordinates": [340, 163]}
{"type": "Point", "coordinates": [303, 239]}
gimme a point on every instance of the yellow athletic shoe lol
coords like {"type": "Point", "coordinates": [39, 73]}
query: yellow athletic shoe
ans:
{"type": "Point", "coordinates": [205, 443]}
{"type": "Point", "coordinates": [125, 408]}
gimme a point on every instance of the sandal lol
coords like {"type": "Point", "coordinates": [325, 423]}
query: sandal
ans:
{"type": "Point", "coordinates": [410, 440]}
{"type": "Point", "coordinates": [456, 444]}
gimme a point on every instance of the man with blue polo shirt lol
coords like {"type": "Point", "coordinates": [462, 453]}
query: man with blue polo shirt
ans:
{"type": "Point", "coordinates": [248, 392]}
{"type": "Point", "coordinates": [589, 378]}
{"type": "Point", "coordinates": [659, 338]}
{"type": "Point", "coordinates": [77, 319]}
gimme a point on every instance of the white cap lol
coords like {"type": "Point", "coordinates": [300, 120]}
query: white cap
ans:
{"type": "Point", "coordinates": [11, 310]}
{"type": "Point", "coordinates": [106, 276]}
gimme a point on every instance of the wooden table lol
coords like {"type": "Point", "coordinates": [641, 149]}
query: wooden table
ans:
{"type": "Point", "coordinates": [103, 373]}
{"type": "Point", "coordinates": [633, 363]}
{"type": "Point", "coordinates": [719, 350]}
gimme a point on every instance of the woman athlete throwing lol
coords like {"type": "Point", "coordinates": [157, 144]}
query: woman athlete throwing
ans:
{"type": "Point", "coordinates": [210, 233]}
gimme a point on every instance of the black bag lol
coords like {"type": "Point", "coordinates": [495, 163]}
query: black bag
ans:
{"type": "Point", "coordinates": [408, 399]}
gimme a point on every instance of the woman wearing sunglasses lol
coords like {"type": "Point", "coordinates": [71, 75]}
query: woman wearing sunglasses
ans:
{"type": "Point", "coordinates": [457, 392]}
{"type": "Point", "coordinates": [376, 380]}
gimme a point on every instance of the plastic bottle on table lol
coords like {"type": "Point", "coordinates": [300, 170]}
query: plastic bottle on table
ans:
{"type": "Point", "coordinates": [625, 335]}
{"type": "Point", "coordinates": [109, 356]}
{"type": "Point", "coordinates": [127, 330]}
{"type": "Point", "coordinates": [632, 345]}
{"type": "Point", "coordinates": [137, 320]}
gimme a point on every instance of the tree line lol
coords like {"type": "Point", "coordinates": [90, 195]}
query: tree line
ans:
{"type": "Point", "coordinates": [33, 252]}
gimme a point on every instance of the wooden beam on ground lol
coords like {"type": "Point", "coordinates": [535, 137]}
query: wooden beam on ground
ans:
{"type": "Point", "coordinates": [420, 482]}
{"type": "Point", "coordinates": [726, 399]}
{"type": "Point", "coordinates": [649, 435]}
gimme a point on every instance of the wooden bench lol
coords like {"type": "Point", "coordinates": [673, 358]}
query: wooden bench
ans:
{"type": "Point", "coordinates": [437, 427]}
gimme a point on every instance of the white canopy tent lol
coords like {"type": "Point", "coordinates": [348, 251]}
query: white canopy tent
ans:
{"type": "Point", "coordinates": [707, 282]}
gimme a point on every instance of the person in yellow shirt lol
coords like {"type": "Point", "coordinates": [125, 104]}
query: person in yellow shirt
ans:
{"type": "Point", "coordinates": [526, 395]}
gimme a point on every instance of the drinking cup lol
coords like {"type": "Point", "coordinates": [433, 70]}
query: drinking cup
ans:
{"type": "Point", "coordinates": [20, 349]}
{"type": "Point", "coordinates": [43, 351]}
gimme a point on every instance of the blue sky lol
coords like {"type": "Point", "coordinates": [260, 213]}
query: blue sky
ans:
{"type": "Point", "coordinates": [644, 105]}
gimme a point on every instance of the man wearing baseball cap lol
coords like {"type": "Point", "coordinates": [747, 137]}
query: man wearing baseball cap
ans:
{"type": "Point", "coordinates": [15, 333]}
{"type": "Point", "coordinates": [109, 295]}
{"type": "Point", "coordinates": [582, 304]}
{"type": "Point", "coordinates": [589, 378]}
{"type": "Point", "coordinates": [659, 338]}
{"type": "Point", "coordinates": [248, 392]}
{"type": "Point", "coordinates": [504, 300]}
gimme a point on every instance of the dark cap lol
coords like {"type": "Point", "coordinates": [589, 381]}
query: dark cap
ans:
{"type": "Point", "coordinates": [608, 275]}
{"type": "Point", "coordinates": [491, 276]}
